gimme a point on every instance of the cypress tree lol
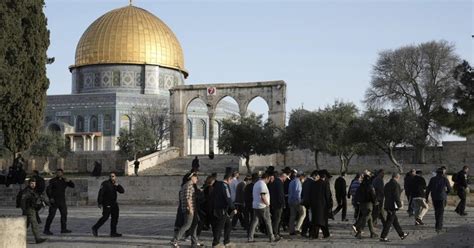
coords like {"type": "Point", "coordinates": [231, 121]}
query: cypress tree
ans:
{"type": "Point", "coordinates": [24, 39]}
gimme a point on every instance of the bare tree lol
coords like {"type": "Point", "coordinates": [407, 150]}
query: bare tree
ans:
{"type": "Point", "coordinates": [418, 78]}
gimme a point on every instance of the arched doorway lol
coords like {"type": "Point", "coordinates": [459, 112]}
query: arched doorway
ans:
{"type": "Point", "coordinates": [198, 127]}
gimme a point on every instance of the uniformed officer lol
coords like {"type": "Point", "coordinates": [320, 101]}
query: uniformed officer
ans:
{"type": "Point", "coordinates": [223, 212]}
{"type": "Point", "coordinates": [56, 192]}
{"type": "Point", "coordinates": [29, 202]}
{"type": "Point", "coordinates": [107, 200]}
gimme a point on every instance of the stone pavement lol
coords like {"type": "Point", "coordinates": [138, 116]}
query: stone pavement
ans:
{"type": "Point", "coordinates": [152, 226]}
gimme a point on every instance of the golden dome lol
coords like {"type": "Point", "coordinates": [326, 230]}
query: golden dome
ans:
{"type": "Point", "coordinates": [129, 35]}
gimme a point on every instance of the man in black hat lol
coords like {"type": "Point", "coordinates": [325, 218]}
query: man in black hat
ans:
{"type": "Point", "coordinates": [321, 205]}
{"type": "Point", "coordinates": [439, 188]}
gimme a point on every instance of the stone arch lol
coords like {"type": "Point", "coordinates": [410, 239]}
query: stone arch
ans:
{"type": "Point", "coordinates": [125, 123]}
{"type": "Point", "coordinates": [93, 124]}
{"type": "Point", "coordinates": [54, 127]}
{"type": "Point", "coordinates": [80, 123]}
{"type": "Point", "coordinates": [273, 92]}
{"type": "Point", "coordinates": [258, 110]}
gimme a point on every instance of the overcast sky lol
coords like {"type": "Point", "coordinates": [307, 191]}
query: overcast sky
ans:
{"type": "Point", "coordinates": [323, 50]}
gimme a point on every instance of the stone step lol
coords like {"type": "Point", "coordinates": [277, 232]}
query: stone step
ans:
{"type": "Point", "coordinates": [181, 166]}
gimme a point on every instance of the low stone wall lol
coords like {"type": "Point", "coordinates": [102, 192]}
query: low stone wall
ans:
{"type": "Point", "coordinates": [12, 231]}
{"type": "Point", "coordinates": [151, 160]}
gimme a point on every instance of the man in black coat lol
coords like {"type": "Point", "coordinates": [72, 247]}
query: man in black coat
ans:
{"type": "Point", "coordinates": [461, 186]}
{"type": "Point", "coordinates": [378, 184]}
{"type": "Point", "coordinates": [420, 207]}
{"type": "Point", "coordinates": [320, 202]}
{"type": "Point", "coordinates": [341, 192]}
{"type": "Point", "coordinates": [392, 191]}
{"type": "Point", "coordinates": [224, 210]}
{"type": "Point", "coordinates": [439, 188]}
{"type": "Point", "coordinates": [107, 200]}
{"type": "Point", "coordinates": [56, 192]}
{"type": "Point", "coordinates": [408, 185]}
{"type": "Point", "coordinates": [367, 201]}
{"type": "Point", "coordinates": [277, 200]}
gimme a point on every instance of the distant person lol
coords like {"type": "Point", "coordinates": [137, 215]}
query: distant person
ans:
{"type": "Point", "coordinates": [367, 200]}
{"type": "Point", "coordinates": [224, 210]}
{"type": "Point", "coordinates": [439, 188]}
{"type": "Point", "coordinates": [277, 200]}
{"type": "Point", "coordinates": [321, 206]}
{"type": "Point", "coordinates": [420, 207]}
{"type": "Point", "coordinates": [352, 193]}
{"type": "Point", "coordinates": [195, 164]}
{"type": "Point", "coordinates": [56, 192]}
{"type": "Point", "coordinates": [392, 204]}
{"type": "Point", "coordinates": [341, 193]}
{"type": "Point", "coordinates": [39, 189]}
{"type": "Point", "coordinates": [461, 188]}
{"type": "Point", "coordinates": [378, 184]}
{"type": "Point", "coordinates": [239, 204]}
{"type": "Point", "coordinates": [97, 171]}
{"type": "Point", "coordinates": [29, 203]}
{"type": "Point", "coordinates": [136, 166]}
{"type": "Point", "coordinates": [408, 185]}
{"type": "Point", "coordinates": [107, 200]}
{"type": "Point", "coordinates": [188, 205]}
{"type": "Point", "coordinates": [19, 162]}
{"type": "Point", "coordinates": [261, 208]}
{"type": "Point", "coordinates": [297, 210]}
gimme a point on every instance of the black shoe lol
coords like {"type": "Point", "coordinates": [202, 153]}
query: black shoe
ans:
{"type": "Point", "coordinates": [66, 231]}
{"type": "Point", "coordinates": [345, 220]}
{"type": "Point", "coordinates": [358, 235]}
{"type": "Point", "coordinates": [384, 240]}
{"type": "Point", "coordinates": [463, 214]}
{"type": "Point", "coordinates": [373, 235]}
{"type": "Point", "coordinates": [418, 222]}
{"type": "Point", "coordinates": [47, 232]}
{"type": "Point", "coordinates": [404, 236]}
{"type": "Point", "coordinates": [94, 232]}
{"type": "Point", "coordinates": [115, 235]}
{"type": "Point", "coordinates": [39, 241]}
{"type": "Point", "coordinates": [292, 234]}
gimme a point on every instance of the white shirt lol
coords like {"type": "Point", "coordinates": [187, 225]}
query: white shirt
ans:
{"type": "Point", "coordinates": [259, 188]}
{"type": "Point", "coordinates": [233, 188]}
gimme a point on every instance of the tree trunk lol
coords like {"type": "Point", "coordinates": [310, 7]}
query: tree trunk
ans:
{"type": "Point", "coordinates": [46, 166]}
{"type": "Point", "coordinates": [316, 153]}
{"type": "Point", "coordinates": [247, 164]}
{"type": "Point", "coordinates": [394, 160]}
{"type": "Point", "coordinates": [420, 154]}
{"type": "Point", "coordinates": [343, 163]}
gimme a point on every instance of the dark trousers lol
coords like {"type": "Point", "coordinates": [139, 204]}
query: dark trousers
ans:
{"type": "Point", "coordinates": [356, 210]}
{"type": "Point", "coordinates": [248, 215]}
{"type": "Point", "coordinates": [341, 204]}
{"type": "Point", "coordinates": [61, 205]}
{"type": "Point", "coordinates": [461, 208]}
{"type": "Point", "coordinates": [365, 216]}
{"type": "Point", "coordinates": [392, 219]}
{"type": "Point", "coordinates": [439, 213]}
{"type": "Point", "coordinates": [276, 218]}
{"type": "Point", "coordinates": [240, 216]}
{"type": "Point", "coordinates": [378, 213]}
{"type": "Point", "coordinates": [222, 221]}
{"type": "Point", "coordinates": [107, 211]}
{"type": "Point", "coordinates": [410, 207]}
{"type": "Point", "coordinates": [306, 227]}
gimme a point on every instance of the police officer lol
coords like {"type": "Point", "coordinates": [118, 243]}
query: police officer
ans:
{"type": "Point", "coordinates": [30, 200]}
{"type": "Point", "coordinates": [224, 210]}
{"type": "Point", "coordinates": [56, 192]}
{"type": "Point", "coordinates": [107, 200]}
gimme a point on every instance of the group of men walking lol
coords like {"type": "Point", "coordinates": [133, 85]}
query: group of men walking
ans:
{"type": "Point", "coordinates": [258, 202]}
{"type": "Point", "coordinates": [31, 200]}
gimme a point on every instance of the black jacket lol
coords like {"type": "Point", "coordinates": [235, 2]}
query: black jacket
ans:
{"type": "Point", "coordinates": [248, 197]}
{"type": "Point", "coordinates": [439, 188]}
{"type": "Point", "coordinates": [305, 192]}
{"type": "Point", "coordinates": [221, 197]}
{"type": "Point", "coordinates": [108, 193]}
{"type": "Point", "coordinates": [461, 179]}
{"type": "Point", "coordinates": [419, 187]}
{"type": "Point", "coordinates": [40, 185]}
{"type": "Point", "coordinates": [366, 193]}
{"type": "Point", "coordinates": [57, 188]}
{"type": "Point", "coordinates": [378, 187]}
{"type": "Point", "coordinates": [392, 191]}
{"type": "Point", "coordinates": [277, 194]}
{"type": "Point", "coordinates": [408, 184]}
{"type": "Point", "coordinates": [341, 188]}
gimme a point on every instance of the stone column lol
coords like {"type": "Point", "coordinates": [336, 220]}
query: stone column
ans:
{"type": "Point", "coordinates": [92, 148]}
{"type": "Point", "coordinates": [179, 132]}
{"type": "Point", "coordinates": [84, 143]}
{"type": "Point", "coordinates": [211, 115]}
{"type": "Point", "coordinates": [71, 142]}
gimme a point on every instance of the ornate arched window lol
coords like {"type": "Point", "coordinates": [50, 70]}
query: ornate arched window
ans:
{"type": "Point", "coordinates": [93, 124]}
{"type": "Point", "coordinates": [79, 124]}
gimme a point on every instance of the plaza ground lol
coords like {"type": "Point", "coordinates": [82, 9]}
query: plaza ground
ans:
{"type": "Point", "coordinates": [152, 226]}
